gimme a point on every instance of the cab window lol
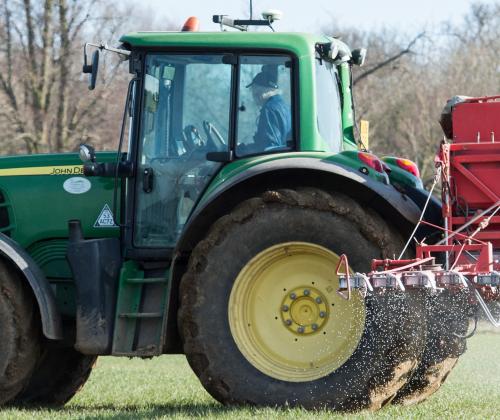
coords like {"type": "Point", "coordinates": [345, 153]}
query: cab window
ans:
{"type": "Point", "coordinates": [328, 106]}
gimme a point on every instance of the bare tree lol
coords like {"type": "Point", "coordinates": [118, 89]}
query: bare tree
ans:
{"type": "Point", "coordinates": [41, 56]}
{"type": "Point", "coordinates": [406, 84]}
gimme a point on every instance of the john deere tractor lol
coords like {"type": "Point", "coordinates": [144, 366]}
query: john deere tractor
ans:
{"type": "Point", "coordinates": [203, 236]}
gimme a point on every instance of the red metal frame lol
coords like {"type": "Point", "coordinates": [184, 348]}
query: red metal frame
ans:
{"type": "Point", "coordinates": [476, 118]}
{"type": "Point", "coordinates": [470, 179]}
{"type": "Point", "coordinates": [483, 264]}
{"type": "Point", "coordinates": [471, 168]}
{"type": "Point", "coordinates": [388, 265]}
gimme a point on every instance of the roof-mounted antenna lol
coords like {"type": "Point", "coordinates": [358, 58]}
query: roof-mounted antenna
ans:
{"type": "Point", "coordinates": [268, 17]}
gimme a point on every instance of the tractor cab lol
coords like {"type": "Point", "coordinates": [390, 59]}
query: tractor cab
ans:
{"type": "Point", "coordinates": [201, 102]}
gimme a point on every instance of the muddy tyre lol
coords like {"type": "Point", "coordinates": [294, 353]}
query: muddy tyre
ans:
{"type": "Point", "coordinates": [261, 319]}
{"type": "Point", "coordinates": [20, 333]}
{"type": "Point", "coordinates": [60, 373]}
{"type": "Point", "coordinates": [447, 323]}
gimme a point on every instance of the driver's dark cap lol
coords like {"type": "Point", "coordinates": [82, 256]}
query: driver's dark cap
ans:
{"type": "Point", "coordinates": [266, 78]}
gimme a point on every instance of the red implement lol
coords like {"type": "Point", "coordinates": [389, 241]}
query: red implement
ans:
{"type": "Point", "coordinates": [469, 168]}
{"type": "Point", "coordinates": [476, 119]}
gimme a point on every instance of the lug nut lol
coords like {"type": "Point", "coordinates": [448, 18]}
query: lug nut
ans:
{"type": "Point", "coordinates": [307, 292]}
{"type": "Point", "coordinates": [300, 330]}
{"type": "Point", "coordinates": [318, 300]}
{"type": "Point", "coordinates": [288, 322]}
{"type": "Point", "coordinates": [314, 327]}
{"type": "Point", "coordinates": [322, 314]}
{"type": "Point", "coordinates": [284, 308]}
{"type": "Point", "coordinates": [293, 296]}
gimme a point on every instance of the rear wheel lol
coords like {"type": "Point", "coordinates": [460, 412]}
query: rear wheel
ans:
{"type": "Point", "coordinates": [60, 373]}
{"type": "Point", "coordinates": [447, 322]}
{"type": "Point", "coordinates": [261, 319]}
{"type": "Point", "coordinates": [20, 333]}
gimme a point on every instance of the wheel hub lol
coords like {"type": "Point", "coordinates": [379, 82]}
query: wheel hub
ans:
{"type": "Point", "coordinates": [286, 317]}
{"type": "Point", "coordinates": [304, 310]}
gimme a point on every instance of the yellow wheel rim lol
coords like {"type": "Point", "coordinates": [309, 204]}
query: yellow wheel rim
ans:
{"type": "Point", "coordinates": [286, 317]}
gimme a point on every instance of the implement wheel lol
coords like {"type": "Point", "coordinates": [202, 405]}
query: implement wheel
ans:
{"type": "Point", "coordinates": [20, 333]}
{"type": "Point", "coordinates": [261, 319]}
{"type": "Point", "coordinates": [447, 322]}
{"type": "Point", "coordinates": [59, 375]}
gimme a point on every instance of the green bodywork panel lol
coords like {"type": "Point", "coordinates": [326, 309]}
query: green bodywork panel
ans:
{"type": "Point", "coordinates": [39, 208]}
{"type": "Point", "coordinates": [399, 176]}
{"type": "Point", "coordinates": [40, 205]}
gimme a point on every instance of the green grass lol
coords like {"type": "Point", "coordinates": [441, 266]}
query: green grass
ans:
{"type": "Point", "coordinates": [165, 387]}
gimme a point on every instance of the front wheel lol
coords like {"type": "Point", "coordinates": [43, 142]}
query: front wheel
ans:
{"type": "Point", "coordinates": [261, 319]}
{"type": "Point", "coordinates": [60, 373]}
{"type": "Point", "coordinates": [20, 333]}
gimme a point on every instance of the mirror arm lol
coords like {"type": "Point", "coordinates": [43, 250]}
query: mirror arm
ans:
{"type": "Point", "coordinates": [101, 46]}
{"type": "Point", "coordinates": [119, 51]}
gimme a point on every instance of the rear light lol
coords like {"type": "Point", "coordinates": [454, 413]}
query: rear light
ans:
{"type": "Point", "coordinates": [372, 161]}
{"type": "Point", "coordinates": [408, 166]}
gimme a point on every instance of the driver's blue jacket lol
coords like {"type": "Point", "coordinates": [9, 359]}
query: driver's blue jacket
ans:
{"type": "Point", "coordinates": [274, 125]}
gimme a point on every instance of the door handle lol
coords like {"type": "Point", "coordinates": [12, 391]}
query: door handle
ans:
{"type": "Point", "coordinates": [147, 180]}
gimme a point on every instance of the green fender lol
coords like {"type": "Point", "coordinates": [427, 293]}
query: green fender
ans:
{"type": "Point", "coordinates": [49, 314]}
{"type": "Point", "coordinates": [293, 172]}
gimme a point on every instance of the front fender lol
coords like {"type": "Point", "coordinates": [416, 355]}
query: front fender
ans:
{"type": "Point", "coordinates": [49, 314]}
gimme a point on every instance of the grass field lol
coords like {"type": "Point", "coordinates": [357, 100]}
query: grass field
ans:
{"type": "Point", "coordinates": [165, 387]}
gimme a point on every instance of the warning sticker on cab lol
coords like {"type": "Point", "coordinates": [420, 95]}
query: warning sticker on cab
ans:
{"type": "Point", "coordinates": [105, 218]}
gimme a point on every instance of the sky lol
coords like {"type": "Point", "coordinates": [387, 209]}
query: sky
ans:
{"type": "Point", "coordinates": [309, 15]}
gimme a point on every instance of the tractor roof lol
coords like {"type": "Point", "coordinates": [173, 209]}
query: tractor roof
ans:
{"type": "Point", "coordinates": [298, 43]}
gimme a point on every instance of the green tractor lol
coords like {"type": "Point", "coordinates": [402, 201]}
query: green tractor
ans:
{"type": "Point", "coordinates": [216, 231]}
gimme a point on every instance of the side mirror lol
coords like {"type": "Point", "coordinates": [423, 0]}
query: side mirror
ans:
{"type": "Point", "coordinates": [91, 69]}
{"type": "Point", "coordinates": [358, 56]}
{"type": "Point", "coordinates": [87, 153]}
{"type": "Point", "coordinates": [327, 51]}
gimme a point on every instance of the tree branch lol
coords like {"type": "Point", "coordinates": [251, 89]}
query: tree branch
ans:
{"type": "Point", "coordinates": [377, 67]}
{"type": "Point", "coordinates": [31, 36]}
{"type": "Point", "coordinates": [75, 27]}
{"type": "Point", "coordinates": [8, 42]}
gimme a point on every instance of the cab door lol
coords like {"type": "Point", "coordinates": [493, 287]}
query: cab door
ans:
{"type": "Point", "coordinates": [185, 115]}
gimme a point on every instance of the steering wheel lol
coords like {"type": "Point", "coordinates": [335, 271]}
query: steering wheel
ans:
{"type": "Point", "coordinates": [214, 138]}
{"type": "Point", "coordinates": [193, 144]}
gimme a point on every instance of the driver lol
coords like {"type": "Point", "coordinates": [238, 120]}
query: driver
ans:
{"type": "Point", "coordinates": [274, 123]}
